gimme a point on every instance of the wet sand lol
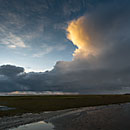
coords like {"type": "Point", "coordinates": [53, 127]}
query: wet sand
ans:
{"type": "Point", "coordinates": [111, 117]}
{"type": "Point", "coordinates": [15, 121]}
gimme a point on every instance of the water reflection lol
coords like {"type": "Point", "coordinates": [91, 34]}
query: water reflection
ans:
{"type": "Point", "coordinates": [5, 108]}
{"type": "Point", "coordinates": [41, 125]}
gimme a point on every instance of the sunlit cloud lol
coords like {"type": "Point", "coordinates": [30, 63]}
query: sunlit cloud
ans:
{"type": "Point", "coordinates": [37, 93]}
{"type": "Point", "coordinates": [77, 32]}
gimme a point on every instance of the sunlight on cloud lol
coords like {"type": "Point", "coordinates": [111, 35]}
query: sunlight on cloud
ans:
{"type": "Point", "coordinates": [37, 93]}
{"type": "Point", "coordinates": [77, 33]}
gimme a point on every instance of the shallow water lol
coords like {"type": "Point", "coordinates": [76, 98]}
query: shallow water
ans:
{"type": "Point", "coordinates": [5, 108]}
{"type": "Point", "coordinates": [41, 125]}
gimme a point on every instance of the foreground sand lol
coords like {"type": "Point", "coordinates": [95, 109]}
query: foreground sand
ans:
{"type": "Point", "coordinates": [112, 117]}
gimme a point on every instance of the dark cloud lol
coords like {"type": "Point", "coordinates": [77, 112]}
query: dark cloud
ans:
{"type": "Point", "coordinates": [106, 67]}
{"type": "Point", "coordinates": [10, 71]}
{"type": "Point", "coordinates": [99, 81]}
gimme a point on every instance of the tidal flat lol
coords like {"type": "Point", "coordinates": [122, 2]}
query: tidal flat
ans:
{"type": "Point", "coordinates": [39, 104]}
{"type": "Point", "coordinates": [107, 117]}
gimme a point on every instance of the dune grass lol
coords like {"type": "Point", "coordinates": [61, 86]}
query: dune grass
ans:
{"type": "Point", "coordinates": [37, 104]}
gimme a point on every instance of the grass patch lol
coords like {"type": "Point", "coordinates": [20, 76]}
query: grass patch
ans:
{"type": "Point", "coordinates": [37, 104]}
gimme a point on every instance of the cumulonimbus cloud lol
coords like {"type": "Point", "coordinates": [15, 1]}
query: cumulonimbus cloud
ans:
{"type": "Point", "coordinates": [101, 37]}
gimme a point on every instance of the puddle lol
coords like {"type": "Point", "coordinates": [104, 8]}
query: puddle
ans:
{"type": "Point", "coordinates": [5, 108]}
{"type": "Point", "coordinates": [41, 125]}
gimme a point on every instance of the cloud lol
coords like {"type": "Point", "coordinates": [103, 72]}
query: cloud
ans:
{"type": "Point", "coordinates": [10, 25]}
{"type": "Point", "coordinates": [101, 37]}
{"type": "Point", "coordinates": [100, 62]}
{"type": "Point", "coordinates": [44, 52]}
{"type": "Point", "coordinates": [46, 49]}
{"type": "Point", "coordinates": [101, 59]}
{"type": "Point", "coordinates": [99, 81]}
{"type": "Point", "coordinates": [11, 40]}
{"type": "Point", "coordinates": [3, 77]}
{"type": "Point", "coordinates": [14, 41]}
{"type": "Point", "coordinates": [72, 7]}
{"type": "Point", "coordinates": [35, 93]}
{"type": "Point", "coordinates": [27, 30]}
{"type": "Point", "coordinates": [10, 71]}
{"type": "Point", "coordinates": [78, 34]}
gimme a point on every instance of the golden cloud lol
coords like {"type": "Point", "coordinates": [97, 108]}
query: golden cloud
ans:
{"type": "Point", "coordinates": [77, 32]}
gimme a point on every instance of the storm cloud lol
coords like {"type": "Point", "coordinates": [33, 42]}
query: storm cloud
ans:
{"type": "Point", "coordinates": [101, 60]}
{"type": "Point", "coordinates": [101, 37]}
{"type": "Point", "coordinates": [10, 70]}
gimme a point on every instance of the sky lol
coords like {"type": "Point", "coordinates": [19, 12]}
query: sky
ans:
{"type": "Point", "coordinates": [65, 45]}
{"type": "Point", "coordinates": [32, 32]}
